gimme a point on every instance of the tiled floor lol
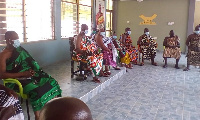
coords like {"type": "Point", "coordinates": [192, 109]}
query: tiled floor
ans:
{"type": "Point", "coordinates": [143, 93]}
{"type": "Point", "coordinates": [151, 93]}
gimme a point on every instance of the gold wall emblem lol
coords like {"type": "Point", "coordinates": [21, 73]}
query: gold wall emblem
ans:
{"type": "Point", "coordinates": [148, 20]}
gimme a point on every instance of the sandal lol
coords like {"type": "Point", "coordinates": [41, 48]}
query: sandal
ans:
{"type": "Point", "coordinates": [186, 69]}
{"type": "Point", "coordinates": [155, 64]}
{"type": "Point", "coordinates": [117, 68]}
{"type": "Point", "coordinates": [96, 80]}
{"type": "Point", "coordinates": [141, 64]}
{"type": "Point", "coordinates": [107, 72]}
{"type": "Point", "coordinates": [104, 74]}
{"type": "Point", "coordinates": [164, 66]}
{"type": "Point", "coordinates": [176, 66]}
{"type": "Point", "coordinates": [129, 67]}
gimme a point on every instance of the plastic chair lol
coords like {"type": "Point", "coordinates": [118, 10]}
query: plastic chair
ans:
{"type": "Point", "coordinates": [20, 93]}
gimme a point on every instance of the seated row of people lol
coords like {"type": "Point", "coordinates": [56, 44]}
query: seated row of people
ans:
{"type": "Point", "coordinates": [147, 47]}
{"type": "Point", "coordinates": [96, 51]}
{"type": "Point", "coordinates": [128, 54]}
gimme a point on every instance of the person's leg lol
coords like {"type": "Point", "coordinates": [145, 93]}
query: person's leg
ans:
{"type": "Point", "coordinates": [152, 60]}
{"type": "Point", "coordinates": [188, 67]}
{"type": "Point", "coordinates": [107, 71]}
{"type": "Point", "coordinates": [142, 63]}
{"type": "Point", "coordinates": [103, 74]}
{"type": "Point", "coordinates": [176, 66]}
{"type": "Point", "coordinates": [165, 65]}
{"type": "Point", "coordinates": [37, 114]}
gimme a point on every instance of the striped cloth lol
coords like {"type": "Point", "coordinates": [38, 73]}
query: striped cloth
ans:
{"type": "Point", "coordinates": [6, 101]}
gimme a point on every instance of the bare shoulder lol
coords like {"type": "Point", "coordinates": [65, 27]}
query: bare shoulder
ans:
{"type": "Point", "coordinates": [5, 54]}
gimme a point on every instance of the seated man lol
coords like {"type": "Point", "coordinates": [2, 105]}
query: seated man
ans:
{"type": "Point", "coordinates": [131, 54]}
{"type": "Point", "coordinates": [107, 49]}
{"type": "Point", "coordinates": [65, 108]}
{"type": "Point", "coordinates": [86, 51]}
{"type": "Point", "coordinates": [172, 48]}
{"type": "Point", "coordinates": [147, 46]}
{"type": "Point", "coordinates": [16, 62]}
{"type": "Point", "coordinates": [115, 48]}
{"type": "Point", "coordinates": [102, 42]}
{"type": "Point", "coordinates": [10, 108]}
{"type": "Point", "coordinates": [193, 54]}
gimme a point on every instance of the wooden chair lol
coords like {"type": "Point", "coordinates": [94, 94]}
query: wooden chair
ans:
{"type": "Point", "coordinates": [80, 73]}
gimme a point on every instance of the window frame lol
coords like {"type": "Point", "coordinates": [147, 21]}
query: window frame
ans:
{"type": "Point", "coordinates": [77, 15]}
{"type": "Point", "coordinates": [24, 23]}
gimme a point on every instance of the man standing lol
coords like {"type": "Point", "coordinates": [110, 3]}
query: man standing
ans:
{"type": "Point", "coordinates": [147, 46]}
{"type": "Point", "coordinates": [193, 43]}
{"type": "Point", "coordinates": [172, 48]}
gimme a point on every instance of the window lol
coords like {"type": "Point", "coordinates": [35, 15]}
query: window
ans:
{"type": "Point", "coordinates": [32, 19]}
{"type": "Point", "coordinates": [74, 13]}
{"type": "Point", "coordinates": [109, 13]}
{"type": "Point", "coordinates": [109, 4]}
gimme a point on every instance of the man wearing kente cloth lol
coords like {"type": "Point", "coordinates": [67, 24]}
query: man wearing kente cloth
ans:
{"type": "Point", "coordinates": [147, 46]}
{"type": "Point", "coordinates": [172, 48]}
{"type": "Point", "coordinates": [108, 57]}
{"type": "Point", "coordinates": [131, 54]}
{"type": "Point", "coordinates": [16, 62]}
{"type": "Point", "coordinates": [86, 51]}
{"type": "Point", "coordinates": [193, 43]}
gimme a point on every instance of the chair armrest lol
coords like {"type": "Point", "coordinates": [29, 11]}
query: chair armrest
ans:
{"type": "Point", "coordinates": [11, 80]}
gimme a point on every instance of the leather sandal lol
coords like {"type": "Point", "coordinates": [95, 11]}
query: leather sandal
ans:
{"type": "Point", "coordinates": [164, 66]}
{"type": "Point", "coordinates": [155, 64]}
{"type": "Point", "coordinates": [96, 80]}
{"type": "Point", "coordinates": [141, 64]}
{"type": "Point", "coordinates": [186, 69]}
{"type": "Point", "coordinates": [117, 68]}
{"type": "Point", "coordinates": [107, 72]}
{"type": "Point", "coordinates": [103, 74]}
{"type": "Point", "coordinates": [176, 66]}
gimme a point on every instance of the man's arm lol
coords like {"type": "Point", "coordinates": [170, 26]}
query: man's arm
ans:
{"type": "Point", "coordinates": [7, 112]}
{"type": "Point", "coordinates": [178, 42]}
{"type": "Point", "coordinates": [188, 40]}
{"type": "Point", "coordinates": [3, 74]}
{"type": "Point", "coordinates": [123, 39]}
{"type": "Point", "coordinates": [78, 44]}
{"type": "Point", "coordinates": [165, 42]}
{"type": "Point", "coordinates": [101, 44]}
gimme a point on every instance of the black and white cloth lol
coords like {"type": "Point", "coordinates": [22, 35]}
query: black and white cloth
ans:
{"type": "Point", "coordinates": [6, 101]}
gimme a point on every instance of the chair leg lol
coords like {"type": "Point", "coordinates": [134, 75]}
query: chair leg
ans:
{"type": "Point", "coordinates": [72, 68]}
{"type": "Point", "coordinates": [27, 109]}
{"type": "Point", "coordinates": [21, 100]}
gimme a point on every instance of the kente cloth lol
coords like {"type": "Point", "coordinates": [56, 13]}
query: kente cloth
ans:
{"type": "Point", "coordinates": [130, 49]}
{"type": "Point", "coordinates": [193, 55]}
{"type": "Point", "coordinates": [150, 49]}
{"type": "Point", "coordinates": [41, 87]}
{"type": "Point", "coordinates": [6, 101]}
{"type": "Point", "coordinates": [172, 52]}
{"type": "Point", "coordinates": [95, 62]}
{"type": "Point", "coordinates": [126, 59]}
{"type": "Point", "coordinates": [108, 56]}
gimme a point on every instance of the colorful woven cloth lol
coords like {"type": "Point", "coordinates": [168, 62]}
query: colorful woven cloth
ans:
{"type": "Point", "coordinates": [41, 87]}
{"type": "Point", "coordinates": [172, 52]}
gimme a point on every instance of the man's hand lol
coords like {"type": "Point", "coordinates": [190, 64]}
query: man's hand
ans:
{"type": "Point", "coordinates": [108, 50]}
{"type": "Point", "coordinates": [7, 112]}
{"type": "Point", "coordinates": [11, 93]}
{"type": "Point", "coordinates": [28, 73]}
